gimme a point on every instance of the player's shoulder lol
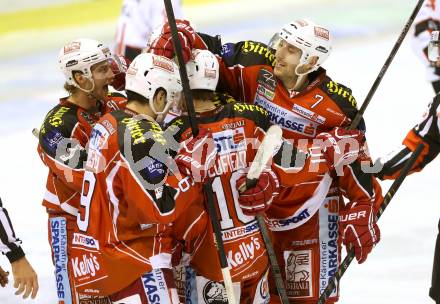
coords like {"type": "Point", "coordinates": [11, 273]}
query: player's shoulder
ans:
{"type": "Point", "coordinates": [58, 125]}
{"type": "Point", "coordinates": [137, 131]}
{"type": "Point", "coordinates": [341, 95]}
{"type": "Point", "coordinates": [60, 119]}
{"type": "Point", "coordinates": [247, 110]}
{"type": "Point", "coordinates": [247, 53]}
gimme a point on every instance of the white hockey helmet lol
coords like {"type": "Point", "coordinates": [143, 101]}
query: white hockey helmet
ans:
{"type": "Point", "coordinates": [147, 73]}
{"type": "Point", "coordinates": [203, 70]}
{"type": "Point", "coordinates": [81, 55]}
{"type": "Point", "coordinates": [311, 39]}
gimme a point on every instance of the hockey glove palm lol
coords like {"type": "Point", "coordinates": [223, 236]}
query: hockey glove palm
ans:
{"type": "Point", "coordinates": [197, 155]}
{"type": "Point", "coordinates": [163, 45]}
{"type": "Point", "coordinates": [259, 198]}
{"type": "Point", "coordinates": [358, 228]}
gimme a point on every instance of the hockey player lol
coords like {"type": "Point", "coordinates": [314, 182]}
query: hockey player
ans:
{"type": "Point", "coordinates": [290, 84]}
{"type": "Point", "coordinates": [136, 23]}
{"type": "Point", "coordinates": [427, 20]}
{"type": "Point", "coordinates": [25, 278]}
{"type": "Point", "coordinates": [236, 128]}
{"type": "Point", "coordinates": [63, 137]}
{"type": "Point", "coordinates": [129, 197]}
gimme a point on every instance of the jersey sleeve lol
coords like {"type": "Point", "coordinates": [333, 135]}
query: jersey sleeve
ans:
{"type": "Point", "coordinates": [155, 193]}
{"type": "Point", "coordinates": [427, 133]}
{"type": "Point", "coordinates": [344, 99]}
{"type": "Point", "coordinates": [236, 61]}
{"type": "Point", "coordinates": [61, 146]}
{"type": "Point", "coordinates": [9, 243]}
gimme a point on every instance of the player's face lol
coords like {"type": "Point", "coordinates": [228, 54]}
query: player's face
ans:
{"type": "Point", "coordinates": [287, 58]}
{"type": "Point", "coordinates": [102, 76]}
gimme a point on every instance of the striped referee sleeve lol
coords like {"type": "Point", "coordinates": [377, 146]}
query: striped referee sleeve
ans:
{"type": "Point", "coordinates": [9, 243]}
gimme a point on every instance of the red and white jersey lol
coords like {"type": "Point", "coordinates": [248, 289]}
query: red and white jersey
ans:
{"type": "Point", "coordinates": [138, 19]}
{"type": "Point", "coordinates": [427, 20]}
{"type": "Point", "coordinates": [128, 202]}
{"type": "Point", "coordinates": [246, 73]}
{"type": "Point", "coordinates": [63, 137]}
{"type": "Point", "coordinates": [237, 129]}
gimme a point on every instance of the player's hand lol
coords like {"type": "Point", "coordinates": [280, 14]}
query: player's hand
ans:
{"type": "Point", "coordinates": [197, 155]}
{"type": "Point", "coordinates": [119, 66]}
{"type": "Point", "coordinates": [3, 277]}
{"type": "Point", "coordinates": [25, 278]}
{"type": "Point", "coordinates": [358, 228]}
{"type": "Point", "coordinates": [259, 198]}
{"type": "Point", "coordinates": [340, 147]}
{"type": "Point", "coordinates": [163, 45]}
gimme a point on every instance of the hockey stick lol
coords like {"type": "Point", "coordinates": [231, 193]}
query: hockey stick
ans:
{"type": "Point", "coordinates": [343, 266]}
{"type": "Point", "coordinates": [207, 187]}
{"type": "Point", "coordinates": [264, 154]}
{"type": "Point", "coordinates": [387, 199]}
{"type": "Point", "coordinates": [387, 63]}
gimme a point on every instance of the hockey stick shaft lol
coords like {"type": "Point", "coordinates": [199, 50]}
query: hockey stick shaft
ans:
{"type": "Point", "coordinates": [264, 154]}
{"type": "Point", "coordinates": [387, 199]}
{"type": "Point", "coordinates": [387, 63]}
{"type": "Point", "coordinates": [207, 187]}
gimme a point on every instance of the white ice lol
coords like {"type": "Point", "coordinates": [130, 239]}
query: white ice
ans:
{"type": "Point", "coordinates": [399, 268]}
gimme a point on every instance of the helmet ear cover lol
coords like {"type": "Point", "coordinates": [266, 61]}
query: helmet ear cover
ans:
{"type": "Point", "coordinates": [311, 39]}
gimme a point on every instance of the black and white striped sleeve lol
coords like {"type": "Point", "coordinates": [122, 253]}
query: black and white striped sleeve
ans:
{"type": "Point", "coordinates": [9, 243]}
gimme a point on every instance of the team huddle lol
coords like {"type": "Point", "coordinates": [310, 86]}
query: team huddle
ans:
{"type": "Point", "coordinates": [127, 210]}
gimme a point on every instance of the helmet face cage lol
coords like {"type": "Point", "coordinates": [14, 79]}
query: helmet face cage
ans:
{"type": "Point", "coordinates": [311, 39]}
{"type": "Point", "coordinates": [148, 73]}
{"type": "Point", "coordinates": [80, 55]}
{"type": "Point", "coordinates": [203, 70]}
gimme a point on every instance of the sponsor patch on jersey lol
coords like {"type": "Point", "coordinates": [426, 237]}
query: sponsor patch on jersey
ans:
{"type": "Point", "coordinates": [265, 92]}
{"type": "Point", "coordinates": [246, 252]}
{"type": "Point", "coordinates": [252, 47]}
{"type": "Point", "coordinates": [56, 119]}
{"type": "Point", "coordinates": [234, 233]}
{"type": "Point", "coordinates": [155, 287]}
{"type": "Point", "coordinates": [290, 222]}
{"type": "Point", "coordinates": [227, 50]}
{"type": "Point", "coordinates": [87, 265]}
{"type": "Point", "coordinates": [99, 137]}
{"type": "Point", "coordinates": [287, 120]}
{"type": "Point", "coordinates": [58, 237]}
{"type": "Point", "coordinates": [107, 124]}
{"type": "Point", "coordinates": [230, 140]}
{"type": "Point", "coordinates": [233, 125]}
{"type": "Point", "coordinates": [308, 114]}
{"type": "Point", "coordinates": [328, 241]}
{"type": "Point", "coordinates": [333, 87]}
{"type": "Point", "coordinates": [51, 140]}
{"type": "Point", "coordinates": [298, 268]}
{"type": "Point", "coordinates": [88, 118]}
{"type": "Point", "coordinates": [263, 291]}
{"type": "Point", "coordinates": [267, 79]}
{"type": "Point", "coordinates": [85, 240]}
{"type": "Point", "coordinates": [214, 292]}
